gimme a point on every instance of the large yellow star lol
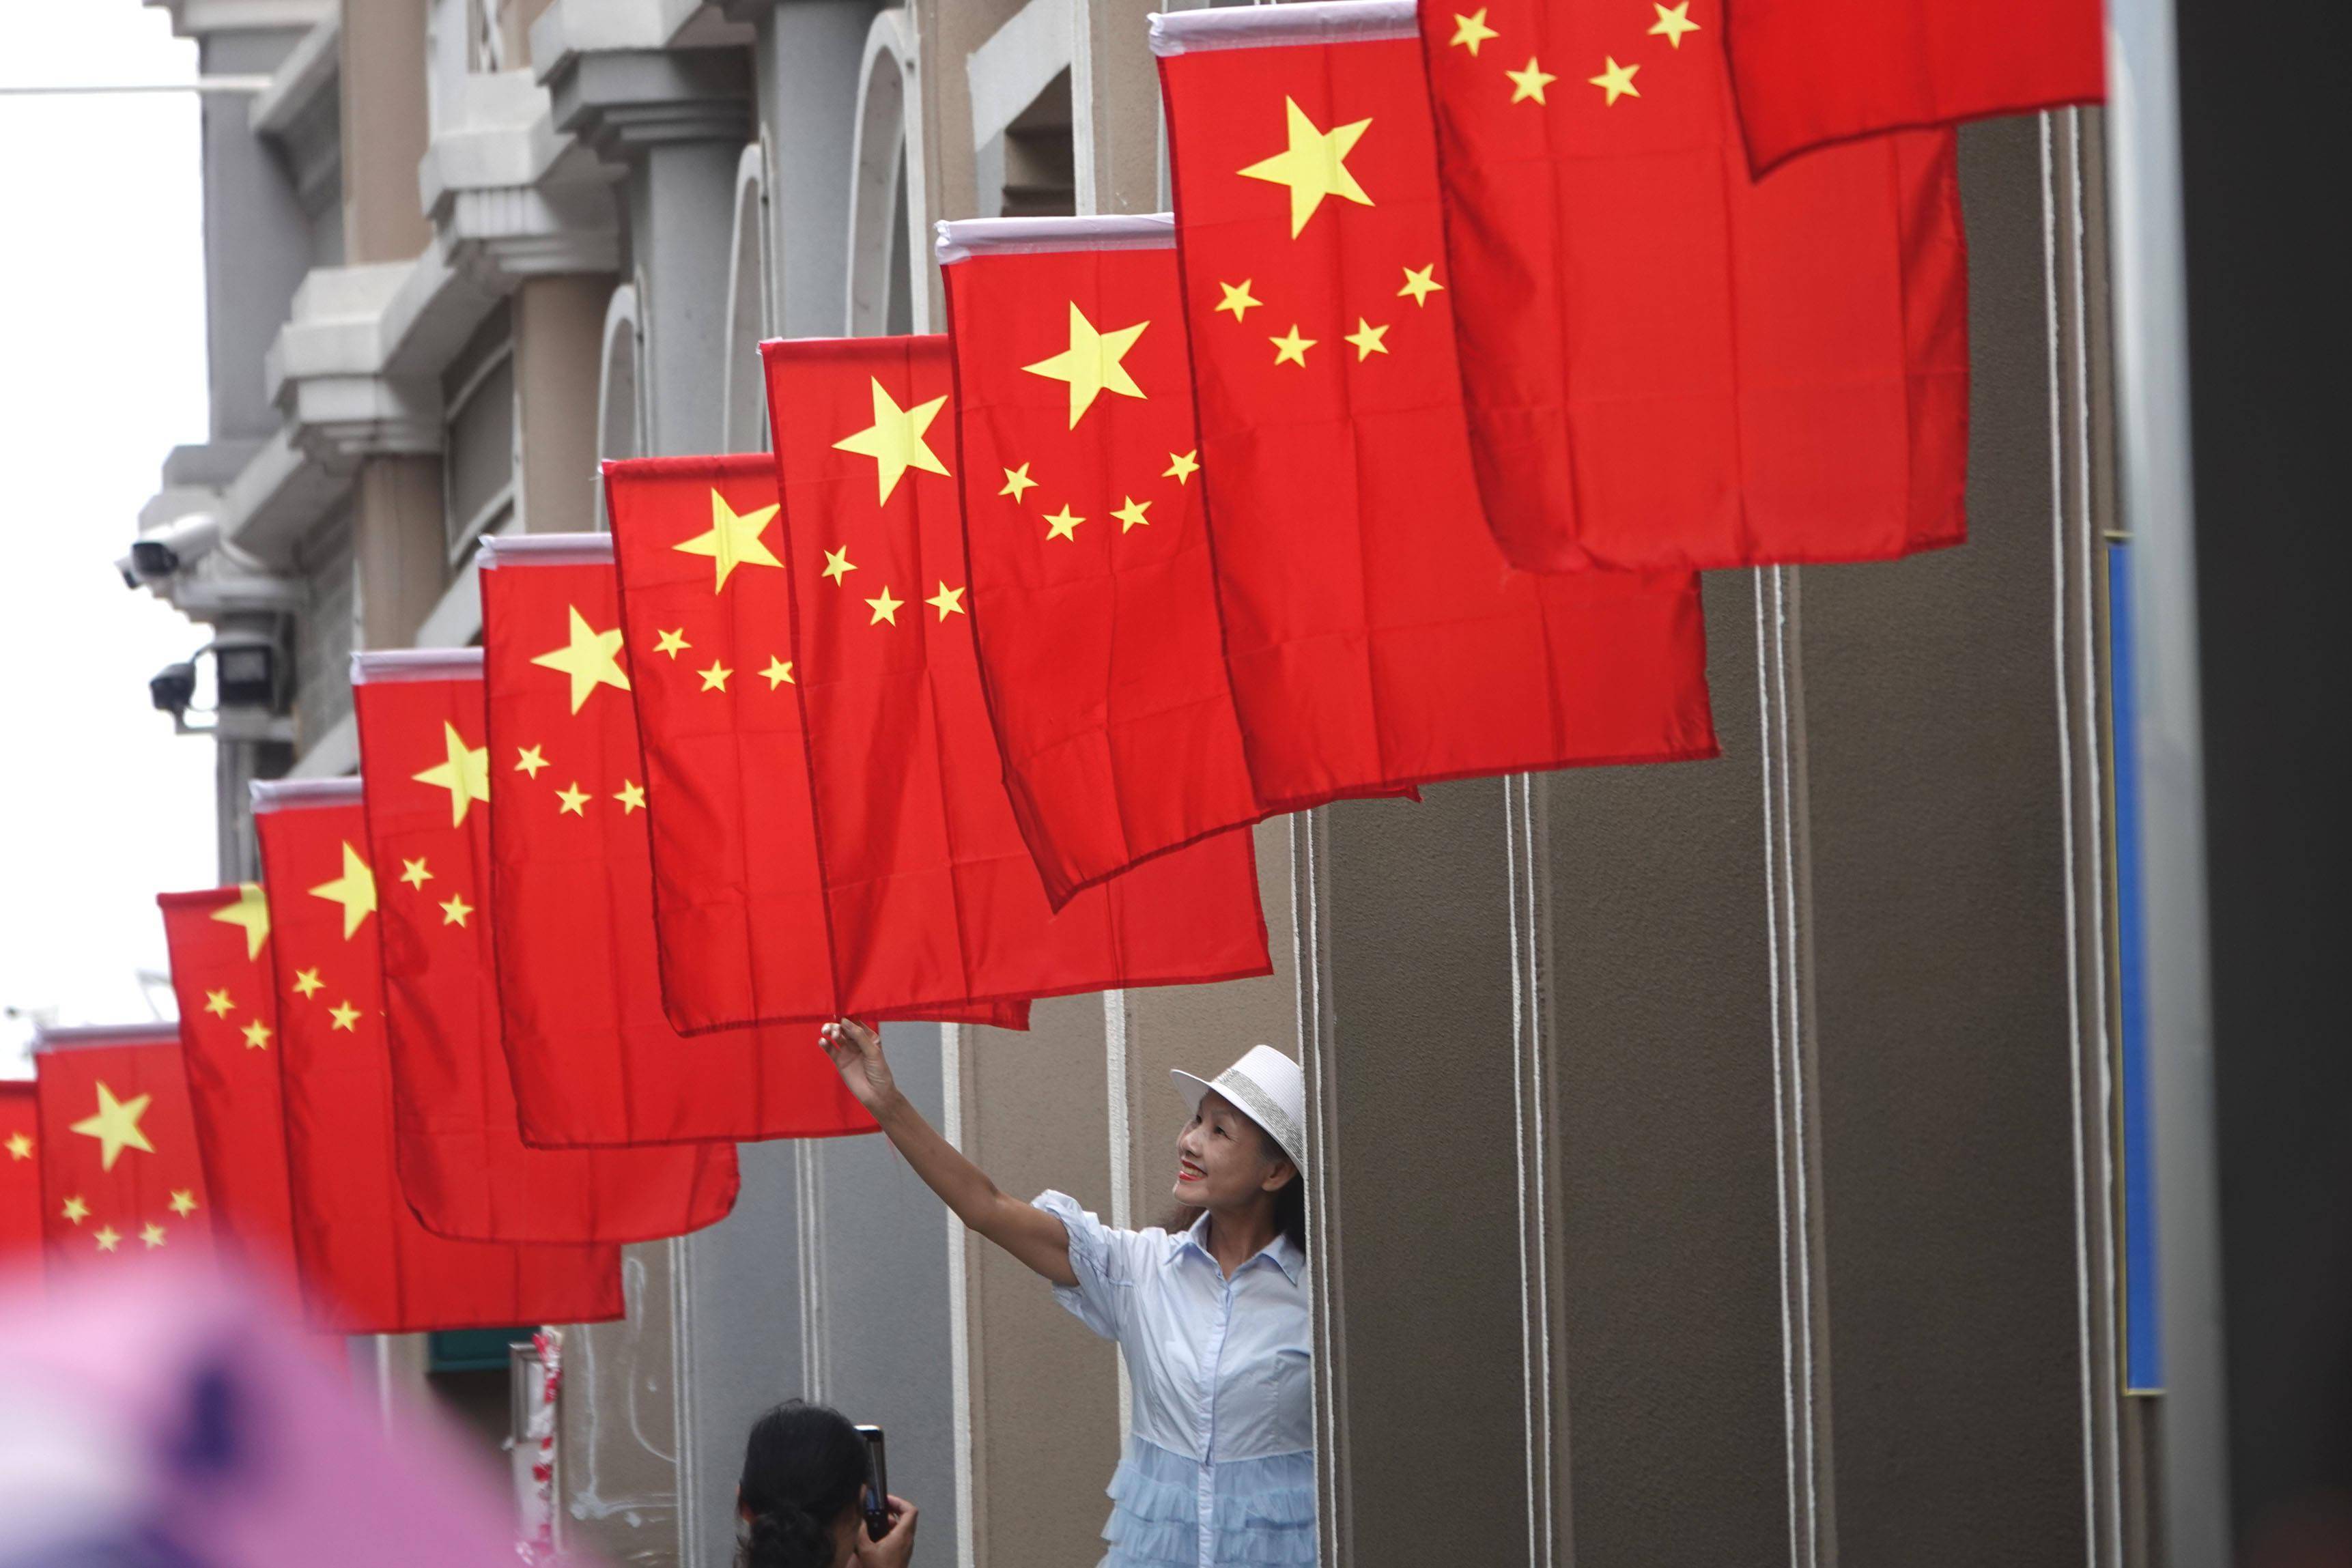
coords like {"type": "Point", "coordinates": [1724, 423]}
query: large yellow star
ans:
{"type": "Point", "coordinates": [1530, 83]}
{"type": "Point", "coordinates": [588, 659]}
{"type": "Point", "coordinates": [354, 890]}
{"type": "Point", "coordinates": [1615, 79]}
{"type": "Point", "coordinates": [947, 602]}
{"type": "Point", "coordinates": [115, 1125]}
{"type": "Point", "coordinates": [1674, 21]}
{"type": "Point", "coordinates": [895, 440]}
{"type": "Point", "coordinates": [1314, 165]}
{"type": "Point", "coordinates": [183, 1202]}
{"type": "Point", "coordinates": [1471, 31]}
{"type": "Point", "coordinates": [466, 772]}
{"type": "Point", "coordinates": [1091, 363]}
{"type": "Point", "coordinates": [219, 1004]}
{"type": "Point", "coordinates": [251, 911]}
{"type": "Point", "coordinates": [20, 1146]}
{"type": "Point", "coordinates": [257, 1035]}
{"type": "Point", "coordinates": [733, 540]}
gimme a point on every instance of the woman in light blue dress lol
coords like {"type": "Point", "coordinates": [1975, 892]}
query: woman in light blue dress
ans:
{"type": "Point", "coordinates": [1211, 1308]}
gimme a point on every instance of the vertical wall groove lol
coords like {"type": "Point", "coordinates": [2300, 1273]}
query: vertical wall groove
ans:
{"type": "Point", "coordinates": [1309, 885]}
{"type": "Point", "coordinates": [1543, 1414]}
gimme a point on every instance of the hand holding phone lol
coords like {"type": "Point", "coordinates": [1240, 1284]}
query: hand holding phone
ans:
{"type": "Point", "coordinates": [874, 1501]}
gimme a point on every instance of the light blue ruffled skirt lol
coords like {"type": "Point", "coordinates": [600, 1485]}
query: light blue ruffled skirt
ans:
{"type": "Point", "coordinates": [1262, 1511]}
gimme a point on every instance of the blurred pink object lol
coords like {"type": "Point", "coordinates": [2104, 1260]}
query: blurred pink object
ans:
{"type": "Point", "coordinates": [179, 1420]}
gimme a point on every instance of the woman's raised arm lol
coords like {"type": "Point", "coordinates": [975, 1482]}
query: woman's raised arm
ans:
{"type": "Point", "coordinates": [1030, 1235]}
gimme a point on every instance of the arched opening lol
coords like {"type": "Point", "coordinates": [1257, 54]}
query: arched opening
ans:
{"type": "Point", "coordinates": [620, 415]}
{"type": "Point", "coordinates": [887, 291]}
{"type": "Point", "coordinates": [744, 402]}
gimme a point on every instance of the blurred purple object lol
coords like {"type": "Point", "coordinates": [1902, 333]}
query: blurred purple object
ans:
{"type": "Point", "coordinates": [184, 1421]}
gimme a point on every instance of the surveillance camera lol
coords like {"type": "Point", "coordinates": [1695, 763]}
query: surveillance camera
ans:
{"type": "Point", "coordinates": [176, 545]}
{"type": "Point", "coordinates": [174, 687]}
{"type": "Point", "coordinates": [130, 576]}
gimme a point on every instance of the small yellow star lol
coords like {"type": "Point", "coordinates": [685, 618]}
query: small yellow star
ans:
{"type": "Point", "coordinates": [1291, 349]}
{"type": "Point", "coordinates": [257, 1036]}
{"type": "Point", "coordinates": [76, 1210]}
{"type": "Point", "coordinates": [587, 655]}
{"type": "Point", "coordinates": [777, 673]}
{"type": "Point", "coordinates": [1530, 83]}
{"type": "Point", "coordinates": [895, 440]}
{"type": "Point", "coordinates": [1181, 465]}
{"type": "Point", "coordinates": [115, 1125]}
{"type": "Point", "coordinates": [1471, 31]}
{"type": "Point", "coordinates": [1062, 525]}
{"type": "Point", "coordinates": [837, 564]}
{"type": "Point", "coordinates": [733, 540]}
{"type": "Point", "coordinates": [307, 981]}
{"type": "Point", "coordinates": [632, 796]}
{"type": "Point", "coordinates": [1674, 22]}
{"type": "Point", "coordinates": [574, 800]}
{"type": "Point", "coordinates": [1017, 481]}
{"type": "Point", "coordinates": [885, 607]}
{"type": "Point", "coordinates": [20, 1146]}
{"type": "Point", "coordinates": [454, 910]}
{"type": "Point", "coordinates": [1092, 363]}
{"type": "Point", "coordinates": [1367, 339]}
{"type": "Point", "coordinates": [1420, 285]}
{"type": "Point", "coordinates": [108, 1238]}
{"type": "Point", "coordinates": [1615, 79]}
{"type": "Point", "coordinates": [251, 911]}
{"type": "Point", "coordinates": [354, 890]}
{"type": "Point", "coordinates": [414, 872]}
{"type": "Point", "coordinates": [183, 1202]}
{"type": "Point", "coordinates": [947, 602]}
{"type": "Point", "coordinates": [1130, 515]}
{"type": "Point", "coordinates": [671, 643]}
{"type": "Point", "coordinates": [1238, 298]}
{"type": "Point", "coordinates": [714, 679]}
{"type": "Point", "coordinates": [346, 1017]}
{"type": "Point", "coordinates": [529, 760]}
{"type": "Point", "coordinates": [152, 1234]}
{"type": "Point", "coordinates": [1313, 165]}
{"type": "Point", "coordinates": [217, 1003]}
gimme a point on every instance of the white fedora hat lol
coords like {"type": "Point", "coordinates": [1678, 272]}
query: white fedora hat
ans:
{"type": "Point", "coordinates": [1266, 1086]}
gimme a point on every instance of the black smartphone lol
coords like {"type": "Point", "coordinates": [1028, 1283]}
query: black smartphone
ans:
{"type": "Point", "coordinates": [876, 1501]}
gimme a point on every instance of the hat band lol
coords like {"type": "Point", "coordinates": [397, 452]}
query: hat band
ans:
{"type": "Point", "coordinates": [1244, 1092]}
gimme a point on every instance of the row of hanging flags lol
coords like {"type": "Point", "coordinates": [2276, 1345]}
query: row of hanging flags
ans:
{"type": "Point", "coordinates": [1388, 459]}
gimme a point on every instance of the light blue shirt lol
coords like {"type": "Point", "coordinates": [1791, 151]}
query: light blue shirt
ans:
{"type": "Point", "coordinates": [1219, 1466]}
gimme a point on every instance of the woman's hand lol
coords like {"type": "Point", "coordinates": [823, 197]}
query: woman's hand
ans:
{"type": "Point", "coordinates": [896, 1547]}
{"type": "Point", "coordinates": [857, 1053]}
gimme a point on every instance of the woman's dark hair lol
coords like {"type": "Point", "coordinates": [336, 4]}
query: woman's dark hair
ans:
{"type": "Point", "coordinates": [1289, 1202]}
{"type": "Point", "coordinates": [803, 1465]}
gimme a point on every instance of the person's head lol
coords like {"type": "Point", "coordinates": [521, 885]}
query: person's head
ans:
{"type": "Point", "coordinates": [803, 1467]}
{"type": "Point", "coordinates": [1237, 1155]}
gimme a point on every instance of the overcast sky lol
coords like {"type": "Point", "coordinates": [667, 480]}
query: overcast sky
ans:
{"type": "Point", "coordinates": [102, 373]}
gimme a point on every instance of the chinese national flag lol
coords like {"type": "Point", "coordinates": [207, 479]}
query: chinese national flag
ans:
{"type": "Point", "coordinates": [121, 1174]}
{"type": "Point", "coordinates": [931, 894]}
{"type": "Point", "coordinates": [368, 1265]}
{"type": "Point", "coordinates": [1667, 363]}
{"type": "Point", "coordinates": [596, 1060]}
{"type": "Point", "coordinates": [1376, 633]}
{"type": "Point", "coordinates": [219, 942]}
{"type": "Point", "coordinates": [1812, 72]}
{"type": "Point", "coordinates": [20, 1176]}
{"type": "Point", "coordinates": [1095, 598]}
{"type": "Point", "coordinates": [739, 904]}
{"type": "Point", "coordinates": [425, 765]}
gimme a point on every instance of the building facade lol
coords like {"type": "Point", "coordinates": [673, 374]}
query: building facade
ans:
{"type": "Point", "coordinates": [1714, 1164]}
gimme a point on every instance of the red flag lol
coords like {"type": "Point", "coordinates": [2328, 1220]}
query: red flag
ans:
{"type": "Point", "coordinates": [739, 904]}
{"type": "Point", "coordinates": [219, 942]}
{"type": "Point", "coordinates": [368, 1265]}
{"type": "Point", "coordinates": [20, 1176]}
{"type": "Point", "coordinates": [596, 1060]}
{"type": "Point", "coordinates": [463, 1162]}
{"type": "Point", "coordinates": [120, 1177]}
{"type": "Point", "coordinates": [1375, 632]}
{"type": "Point", "coordinates": [1095, 601]}
{"type": "Point", "coordinates": [1817, 71]}
{"type": "Point", "coordinates": [1668, 363]}
{"type": "Point", "coordinates": [931, 894]}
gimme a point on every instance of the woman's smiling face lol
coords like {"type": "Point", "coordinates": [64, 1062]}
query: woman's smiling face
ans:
{"type": "Point", "coordinates": [1223, 1160]}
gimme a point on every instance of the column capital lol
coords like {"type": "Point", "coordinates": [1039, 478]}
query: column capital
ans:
{"type": "Point", "coordinates": [622, 101]}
